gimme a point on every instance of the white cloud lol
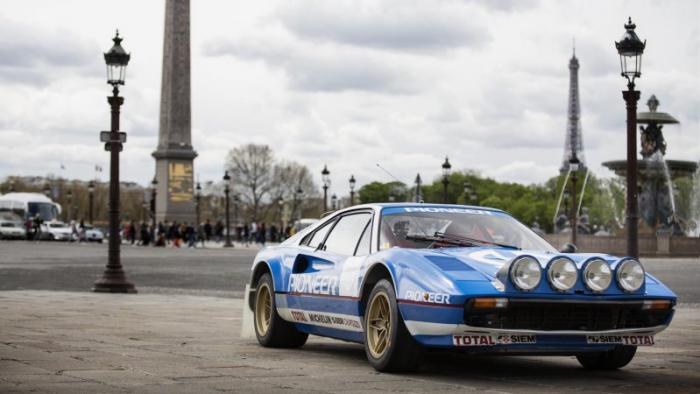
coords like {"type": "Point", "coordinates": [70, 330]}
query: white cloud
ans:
{"type": "Point", "coordinates": [348, 84]}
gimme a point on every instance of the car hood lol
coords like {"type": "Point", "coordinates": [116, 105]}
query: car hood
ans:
{"type": "Point", "coordinates": [458, 262]}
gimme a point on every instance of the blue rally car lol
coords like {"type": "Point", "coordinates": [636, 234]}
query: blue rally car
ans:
{"type": "Point", "coordinates": [402, 278]}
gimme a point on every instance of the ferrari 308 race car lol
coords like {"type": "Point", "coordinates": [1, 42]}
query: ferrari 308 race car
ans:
{"type": "Point", "coordinates": [402, 278]}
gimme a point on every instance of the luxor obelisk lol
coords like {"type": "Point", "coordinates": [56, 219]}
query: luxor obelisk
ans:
{"type": "Point", "coordinates": [174, 154]}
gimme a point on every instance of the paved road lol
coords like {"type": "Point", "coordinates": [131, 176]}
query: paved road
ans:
{"type": "Point", "coordinates": [68, 342]}
{"type": "Point", "coordinates": [74, 267]}
{"type": "Point", "coordinates": [215, 272]}
{"type": "Point", "coordinates": [181, 334]}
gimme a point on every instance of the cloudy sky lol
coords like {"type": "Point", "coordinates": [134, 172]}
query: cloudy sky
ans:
{"type": "Point", "coordinates": [347, 83]}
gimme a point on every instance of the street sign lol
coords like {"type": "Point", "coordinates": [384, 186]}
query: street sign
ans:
{"type": "Point", "coordinates": [105, 136]}
{"type": "Point", "coordinates": [108, 146]}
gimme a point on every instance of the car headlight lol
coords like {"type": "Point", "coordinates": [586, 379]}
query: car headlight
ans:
{"type": "Point", "coordinates": [525, 273]}
{"type": "Point", "coordinates": [630, 275]}
{"type": "Point", "coordinates": [597, 275]}
{"type": "Point", "coordinates": [562, 274]}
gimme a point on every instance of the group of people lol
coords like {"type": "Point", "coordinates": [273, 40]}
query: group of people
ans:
{"type": "Point", "coordinates": [184, 234]}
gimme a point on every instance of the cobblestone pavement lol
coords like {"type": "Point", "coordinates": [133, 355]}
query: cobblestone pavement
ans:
{"type": "Point", "coordinates": [69, 342]}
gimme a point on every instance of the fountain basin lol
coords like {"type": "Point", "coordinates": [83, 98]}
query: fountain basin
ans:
{"type": "Point", "coordinates": [648, 168]}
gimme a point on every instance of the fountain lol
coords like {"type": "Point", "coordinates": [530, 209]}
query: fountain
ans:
{"type": "Point", "coordinates": [657, 206]}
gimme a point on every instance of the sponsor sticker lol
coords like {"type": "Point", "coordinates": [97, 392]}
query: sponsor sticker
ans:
{"type": "Point", "coordinates": [632, 340]}
{"type": "Point", "coordinates": [493, 340]}
{"type": "Point", "coordinates": [448, 210]}
{"type": "Point", "coordinates": [424, 296]}
{"type": "Point", "coordinates": [327, 320]}
{"type": "Point", "coordinates": [314, 284]}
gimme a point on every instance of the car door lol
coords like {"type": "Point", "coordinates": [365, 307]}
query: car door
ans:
{"type": "Point", "coordinates": [318, 277]}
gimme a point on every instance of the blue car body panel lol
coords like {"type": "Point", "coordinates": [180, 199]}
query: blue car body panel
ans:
{"type": "Point", "coordinates": [322, 292]}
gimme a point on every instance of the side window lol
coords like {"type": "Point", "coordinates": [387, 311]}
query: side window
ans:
{"type": "Point", "coordinates": [363, 248]}
{"type": "Point", "coordinates": [345, 235]}
{"type": "Point", "coordinates": [318, 236]}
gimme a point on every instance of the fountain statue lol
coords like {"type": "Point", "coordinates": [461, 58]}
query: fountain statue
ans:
{"type": "Point", "coordinates": [657, 206]}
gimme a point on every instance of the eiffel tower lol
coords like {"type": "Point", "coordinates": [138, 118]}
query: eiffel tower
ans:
{"type": "Point", "coordinates": [573, 145]}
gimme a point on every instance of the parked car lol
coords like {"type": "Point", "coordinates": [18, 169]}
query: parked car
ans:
{"type": "Point", "coordinates": [93, 234]}
{"type": "Point", "coordinates": [402, 278]}
{"type": "Point", "coordinates": [12, 230]}
{"type": "Point", "coordinates": [56, 231]}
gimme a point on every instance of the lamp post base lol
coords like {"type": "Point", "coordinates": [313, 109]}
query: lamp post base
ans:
{"type": "Point", "coordinates": [113, 282]}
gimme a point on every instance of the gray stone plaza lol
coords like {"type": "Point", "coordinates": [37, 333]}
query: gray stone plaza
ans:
{"type": "Point", "coordinates": [181, 333]}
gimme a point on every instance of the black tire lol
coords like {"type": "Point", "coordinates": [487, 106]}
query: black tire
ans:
{"type": "Point", "coordinates": [402, 353]}
{"type": "Point", "coordinates": [278, 332]}
{"type": "Point", "coordinates": [609, 360]}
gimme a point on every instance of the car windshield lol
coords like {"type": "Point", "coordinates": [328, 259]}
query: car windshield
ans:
{"type": "Point", "coordinates": [8, 224]}
{"type": "Point", "coordinates": [426, 227]}
{"type": "Point", "coordinates": [58, 225]}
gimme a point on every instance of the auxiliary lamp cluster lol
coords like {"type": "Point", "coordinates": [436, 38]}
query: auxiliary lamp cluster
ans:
{"type": "Point", "coordinates": [525, 273]}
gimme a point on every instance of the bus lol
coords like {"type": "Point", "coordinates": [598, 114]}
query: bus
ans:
{"type": "Point", "coordinates": [23, 206]}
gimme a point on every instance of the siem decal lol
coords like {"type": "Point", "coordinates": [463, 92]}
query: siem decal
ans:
{"type": "Point", "coordinates": [634, 340]}
{"type": "Point", "coordinates": [449, 210]}
{"type": "Point", "coordinates": [420, 296]}
{"type": "Point", "coordinates": [314, 284]}
{"type": "Point", "coordinates": [492, 340]}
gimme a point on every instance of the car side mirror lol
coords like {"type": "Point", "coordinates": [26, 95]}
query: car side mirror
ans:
{"type": "Point", "coordinates": [568, 248]}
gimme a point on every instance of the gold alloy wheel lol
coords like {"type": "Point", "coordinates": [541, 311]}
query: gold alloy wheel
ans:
{"type": "Point", "coordinates": [378, 325]}
{"type": "Point", "coordinates": [263, 309]}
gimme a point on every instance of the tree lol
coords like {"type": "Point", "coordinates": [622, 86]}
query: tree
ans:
{"type": "Point", "coordinates": [383, 192]}
{"type": "Point", "coordinates": [250, 166]}
{"type": "Point", "coordinates": [287, 178]}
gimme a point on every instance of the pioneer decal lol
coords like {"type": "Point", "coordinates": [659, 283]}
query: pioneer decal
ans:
{"type": "Point", "coordinates": [314, 284]}
{"type": "Point", "coordinates": [423, 296]}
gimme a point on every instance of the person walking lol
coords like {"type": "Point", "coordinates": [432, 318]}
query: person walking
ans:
{"type": "Point", "coordinates": [207, 231]}
{"type": "Point", "coordinates": [253, 232]}
{"type": "Point", "coordinates": [262, 236]}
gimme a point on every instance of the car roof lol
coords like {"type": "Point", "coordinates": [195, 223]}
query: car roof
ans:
{"type": "Point", "coordinates": [379, 206]}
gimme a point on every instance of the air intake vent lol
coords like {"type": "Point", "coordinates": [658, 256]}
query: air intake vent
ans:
{"type": "Point", "coordinates": [449, 263]}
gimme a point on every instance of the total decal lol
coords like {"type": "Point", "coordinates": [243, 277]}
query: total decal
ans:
{"type": "Point", "coordinates": [325, 319]}
{"type": "Point", "coordinates": [314, 284]}
{"type": "Point", "coordinates": [423, 296]}
{"type": "Point", "coordinates": [493, 340]}
{"type": "Point", "coordinates": [632, 340]}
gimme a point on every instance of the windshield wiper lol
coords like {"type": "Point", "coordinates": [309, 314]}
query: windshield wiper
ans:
{"type": "Point", "coordinates": [454, 237]}
{"type": "Point", "coordinates": [435, 238]}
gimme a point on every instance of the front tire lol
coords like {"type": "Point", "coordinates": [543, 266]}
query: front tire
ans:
{"type": "Point", "coordinates": [270, 329]}
{"type": "Point", "coordinates": [608, 360]}
{"type": "Point", "coordinates": [388, 344]}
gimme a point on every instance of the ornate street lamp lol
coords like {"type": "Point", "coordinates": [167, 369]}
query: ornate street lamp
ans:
{"type": "Point", "coordinates": [227, 179]}
{"type": "Point", "coordinates": [630, 48]}
{"type": "Point", "coordinates": [236, 202]}
{"type": "Point", "coordinates": [298, 195]}
{"type": "Point", "coordinates": [69, 197]}
{"type": "Point", "coordinates": [446, 169]}
{"type": "Point", "coordinates": [154, 192]}
{"type": "Point", "coordinates": [352, 190]}
{"type": "Point", "coordinates": [198, 199]}
{"type": "Point", "coordinates": [418, 182]}
{"type": "Point", "coordinates": [574, 165]}
{"type": "Point", "coordinates": [325, 178]}
{"type": "Point", "coordinates": [280, 205]}
{"type": "Point", "coordinates": [114, 279]}
{"type": "Point", "coordinates": [91, 200]}
{"type": "Point", "coordinates": [334, 202]}
{"type": "Point", "coordinates": [469, 194]}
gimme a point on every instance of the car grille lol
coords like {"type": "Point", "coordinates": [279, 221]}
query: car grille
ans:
{"type": "Point", "coordinates": [546, 315]}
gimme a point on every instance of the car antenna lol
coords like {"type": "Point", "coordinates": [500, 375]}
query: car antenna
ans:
{"type": "Point", "coordinates": [388, 173]}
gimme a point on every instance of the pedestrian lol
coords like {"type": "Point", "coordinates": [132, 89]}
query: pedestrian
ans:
{"type": "Point", "coordinates": [74, 236]}
{"type": "Point", "coordinates": [190, 236]}
{"type": "Point", "coordinates": [82, 233]}
{"type": "Point", "coordinates": [246, 234]}
{"type": "Point", "coordinates": [36, 224]}
{"type": "Point", "coordinates": [262, 234]}
{"type": "Point", "coordinates": [253, 232]}
{"type": "Point", "coordinates": [132, 232]}
{"type": "Point", "coordinates": [219, 230]}
{"type": "Point", "coordinates": [207, 231]}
